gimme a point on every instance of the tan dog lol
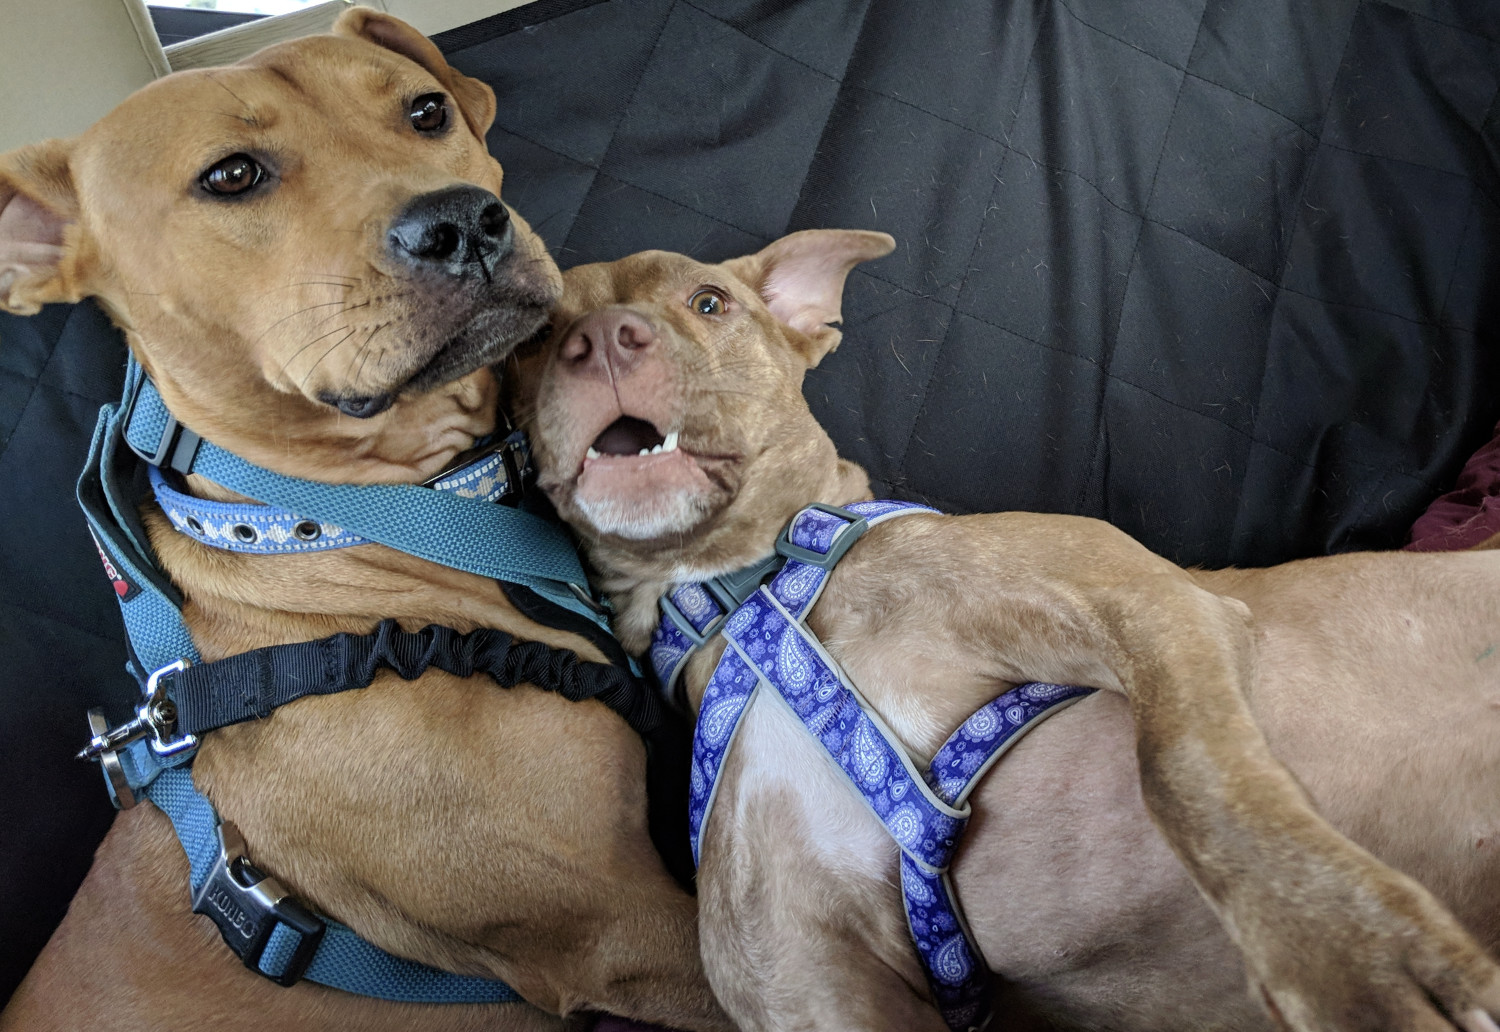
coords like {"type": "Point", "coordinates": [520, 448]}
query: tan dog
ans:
{"type": "Point", "coordinates": [308, 253]}
{"type": "Point", "coordinates": [1248, 714]}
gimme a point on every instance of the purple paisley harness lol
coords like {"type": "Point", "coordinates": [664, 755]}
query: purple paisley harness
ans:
{"type": "Point", "coordinates": [770, 645]}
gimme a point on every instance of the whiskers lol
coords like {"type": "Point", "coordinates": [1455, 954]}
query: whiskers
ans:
{"type": "Point", "coordinates": [348, 332]}
{"type": "Point", "coordinates": [346, 289]}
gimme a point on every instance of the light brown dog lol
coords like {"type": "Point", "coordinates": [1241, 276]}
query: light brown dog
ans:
{"type": "Point", "coordinates": [1248, 714]}
{"type": "Point", "coordinates": [251, 229]}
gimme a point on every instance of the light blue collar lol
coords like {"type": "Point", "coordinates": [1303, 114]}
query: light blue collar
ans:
{"type": "Point", "coordinates": [497, 541]}
{"type": "Point", "coordinates": [493, 475]}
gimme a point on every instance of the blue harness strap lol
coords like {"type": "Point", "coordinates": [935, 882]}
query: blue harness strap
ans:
{"type": "Point", "coordinates": [272, 933]}
{"type": "Point", "coordinates": [277, 937]}
{"type": "Point", "coordinates": [445, 527]}
{"type": "Point", "coordinates": [924, 812]}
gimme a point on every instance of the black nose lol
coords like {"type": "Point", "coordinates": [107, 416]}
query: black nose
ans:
{"type": "Point", "coordinates": [460, 231]}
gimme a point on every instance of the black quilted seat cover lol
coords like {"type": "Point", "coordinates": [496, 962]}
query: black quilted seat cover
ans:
{"type": "Point", "coordinates": [1222, 272]}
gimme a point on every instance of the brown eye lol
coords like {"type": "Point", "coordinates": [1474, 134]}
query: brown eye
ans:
{"type": "Point", "coordinates": [429, 113]}
{"type": "Point", "coordinates": [708, 302]}
{"type": "Point", "coordinates": [232, 176]}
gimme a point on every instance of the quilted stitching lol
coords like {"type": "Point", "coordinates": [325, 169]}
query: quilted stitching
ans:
{"type": "Point", "coordinates": [894, 137]}
{"type": "Point", "coordinates": [1237, 296]}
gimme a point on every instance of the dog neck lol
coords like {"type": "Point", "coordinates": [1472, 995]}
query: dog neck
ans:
{"type": "Point", "coordinates": [415, 437]}
{"type": "Point", "coordinates": [634, 575]}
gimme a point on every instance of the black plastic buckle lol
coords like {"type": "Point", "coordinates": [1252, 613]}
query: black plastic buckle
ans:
{"type": "Point", "coordinates": [247, 905]}
{"type": "Point", "coordinates": [175, 449]}
{"type": "Point", "coordinates": [843, 540]}
{"type": "Point", "coordinates": [515, 453]}
{"type": "Point", "coordinates": [515, 458]}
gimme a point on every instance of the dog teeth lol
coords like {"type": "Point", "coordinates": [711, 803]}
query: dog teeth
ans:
{"type": "Point", "coordinates": [670, 444]}
{"type": "Point", "coordinates": [593, 453]}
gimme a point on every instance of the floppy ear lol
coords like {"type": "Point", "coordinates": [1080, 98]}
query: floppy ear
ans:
{"type": "Point", "coordinates": [475, 100]}
{"type": "Point", "coordinates": [801, 279]}
{"type": "Point", "coordinates": [37, 207]}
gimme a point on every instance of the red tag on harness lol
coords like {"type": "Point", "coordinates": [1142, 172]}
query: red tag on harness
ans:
{"type": "Point", "coordinates": [123, 587]}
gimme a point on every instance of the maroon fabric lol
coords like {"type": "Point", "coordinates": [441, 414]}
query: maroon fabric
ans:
{"type": "Point", "coordinates": [1468, 514]}
{"type": "Point", "coordinates": [609, 1023]}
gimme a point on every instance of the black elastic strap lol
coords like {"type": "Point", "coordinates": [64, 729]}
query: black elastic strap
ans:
{"type": "Point", "coordinates": [549, 614]}
{"type": "Point", "coordinates": [669, 749]}
{"type": "Point", "coordinates": [252, 684]}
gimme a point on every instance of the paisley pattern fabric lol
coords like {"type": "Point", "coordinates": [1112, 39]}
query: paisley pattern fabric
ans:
{"type": "Point", "coordinates": [671, 645]}
{"type": "Point", "coordinates": [955, 969]}
{"type": "Point", "coordinates": [784, 655]}
{"type": "Point", "coordinates": [924, 813]}
{"type": "Point", "coordinates": [983, 738]}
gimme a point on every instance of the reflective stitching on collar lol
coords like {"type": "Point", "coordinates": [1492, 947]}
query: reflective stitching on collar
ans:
{"type": "Point", "coordinates": [254, 529]}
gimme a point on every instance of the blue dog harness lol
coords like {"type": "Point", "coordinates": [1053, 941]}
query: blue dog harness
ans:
{"type": "Point", "coordinates": [771, 646]}
{"type": "Point", "coordinates": [456, 524]}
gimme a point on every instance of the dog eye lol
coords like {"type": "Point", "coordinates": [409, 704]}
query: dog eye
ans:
{"type": "Point", "coordinates": [429, 112]}
{"type": "Point", "coordinates": [234, 175]}
{"type": "Point", "coordinates": [708, 302]}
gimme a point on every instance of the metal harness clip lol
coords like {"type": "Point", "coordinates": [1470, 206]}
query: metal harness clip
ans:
{"type": "Point", "coordinates": [248, 906]}
{"type": "Point", "coordinates": [155, 719]}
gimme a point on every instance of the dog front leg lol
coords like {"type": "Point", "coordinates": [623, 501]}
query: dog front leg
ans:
{"type": "Point", "coordinates": [1332, 938]}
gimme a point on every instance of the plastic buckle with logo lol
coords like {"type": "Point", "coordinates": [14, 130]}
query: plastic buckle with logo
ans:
{"type": "Point", "coordinates": [248, 905]}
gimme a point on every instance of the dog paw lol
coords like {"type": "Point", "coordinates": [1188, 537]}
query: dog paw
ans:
{"type": "Point", "coordinates": [1389, 958]}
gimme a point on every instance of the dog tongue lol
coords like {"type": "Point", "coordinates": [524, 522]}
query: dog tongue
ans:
{"type": "Point", "coordinates": [627, 436]}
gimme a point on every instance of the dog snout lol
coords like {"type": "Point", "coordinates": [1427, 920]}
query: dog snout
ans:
{"type": "Point", "coordinates": [460, 231]}
{"type": "Point", "coordinates": [610, 340]}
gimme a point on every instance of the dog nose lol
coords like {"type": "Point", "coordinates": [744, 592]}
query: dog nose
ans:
{"type": "Point", "coordinates": [460, 231]}
{"type": "Point", "coordinates": [616, 338]}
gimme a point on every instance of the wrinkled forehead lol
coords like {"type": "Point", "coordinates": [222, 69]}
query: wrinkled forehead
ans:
{"type": "Point", "coordinates": [638, 279]}
{"type": "Point", "coordinates": [322, 89]}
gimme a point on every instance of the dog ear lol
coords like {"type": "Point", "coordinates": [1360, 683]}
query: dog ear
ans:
{"type": "Point", "coordinates": [475, 100]}
{"type": "Point", "coordinates": [37, 208]}
{"type": "Point", "coordinates": [801, 279]}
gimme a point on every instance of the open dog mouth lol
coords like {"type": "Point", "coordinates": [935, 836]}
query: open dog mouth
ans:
{"type": "Point", "coordinates": [630, 436]}
{"type": "Point", "coordinates": [638, 483]}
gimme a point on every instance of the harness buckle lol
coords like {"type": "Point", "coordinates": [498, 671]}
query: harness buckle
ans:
{"type": "Point", "coordinates": [177, 446]}
{"type": "Point", "coordinates": [842, 541]}
{"type": "Point", "coordinates": [514, 453]}
{"type": "Point", "coordinates": [155, 719]}
{"type": "Point", "coordinates": [602, 606]}
{"type": "Point", "coordinates": [679, 619]}
{"type": "Point", "coordinates": [109, 759]}
{"type": "Point", "coordinates": [728, 591]}
{"type": "Point", "coordinates": [249, 907]}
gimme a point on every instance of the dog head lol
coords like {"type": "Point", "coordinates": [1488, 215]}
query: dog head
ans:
{"type": "Point", "coordinates": [307, 250]}
{"type": "Point", "coordinates": [666, 407]}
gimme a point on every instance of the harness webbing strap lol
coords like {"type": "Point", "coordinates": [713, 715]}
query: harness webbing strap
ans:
{"type": "Point", "coordinates": [343, 959]}
{"type": "Point", "coordinates": [463, 533]}
{"type": "Point", "coordinates": [944, 943]}
{"type": "Point", "coordinates": [787, 657]}
{"type": "Point", "coordinates": [924, 812]}
{"type": "Point", "coordinates": [513, 546]}
{"type": "Point", "coordinates": [251, 684]}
